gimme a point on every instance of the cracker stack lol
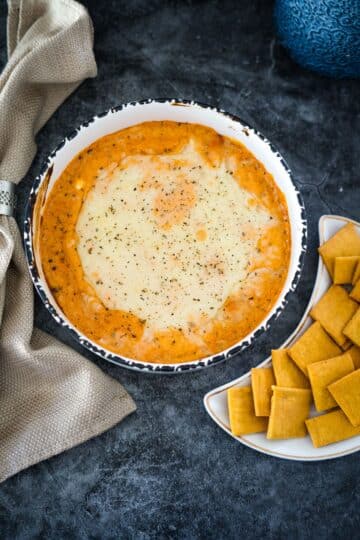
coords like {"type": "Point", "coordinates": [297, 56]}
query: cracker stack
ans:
{"type": "Point", "coordinates": [322, 366]}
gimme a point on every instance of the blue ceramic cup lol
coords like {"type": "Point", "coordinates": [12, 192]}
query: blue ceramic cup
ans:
{"type": "Point", "coordinates": [322, 35]}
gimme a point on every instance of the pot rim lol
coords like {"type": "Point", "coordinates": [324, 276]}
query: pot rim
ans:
{"type": "Point", "coordinates": [138, 365]}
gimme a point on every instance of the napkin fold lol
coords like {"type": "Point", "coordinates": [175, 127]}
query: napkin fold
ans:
{"type": "Point", "coordinates": [51, 398]}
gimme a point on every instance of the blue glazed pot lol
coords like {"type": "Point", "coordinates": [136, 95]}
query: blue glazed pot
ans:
{"type": "Point", "coordinates": [322, 35]}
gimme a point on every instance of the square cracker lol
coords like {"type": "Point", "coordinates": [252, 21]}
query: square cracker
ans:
{"type": "Point", "coordinates": [333, 311]}
{"type": "Point", "coordinates": [346, 392]}
{"type": "Point", "coordinates": [352, 329]}
{"type": "Point", "coordinates": [344, 269]}
{"type": "Point", "coordinates": [289, 409]}
{"type": "Point", "coordinates": [345, 243]}
{"type": "Point", "coordinates": [262, 380]}
{"type": "Point", "coordinates": [355, 293]}
{"type": "Point", "coordinates": [314, 345]}
{"type": "Point", "coordinates": [242, 413]}
{"type": "Point", "coordinates": [323, 373]}
{"type": "Point", "coordinates": [354, 352]}
{"type": "Point", "coordinates": [330, 428]}
{"type": "Point", "coordinates": [286, 371]}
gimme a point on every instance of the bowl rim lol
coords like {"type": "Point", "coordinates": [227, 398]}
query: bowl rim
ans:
{"type": "Point", "coordinates": [129, 363]}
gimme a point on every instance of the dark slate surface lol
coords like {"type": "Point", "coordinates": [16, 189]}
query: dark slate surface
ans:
{"type": "Point", "coordinates": [168, 471]}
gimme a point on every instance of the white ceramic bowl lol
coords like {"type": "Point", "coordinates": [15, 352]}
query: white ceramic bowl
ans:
{"type": "Point", "coordinates": [179, 111]}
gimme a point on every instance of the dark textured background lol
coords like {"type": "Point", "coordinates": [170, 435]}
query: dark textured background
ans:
{"type": "Point", "coordinates": [168, 471]}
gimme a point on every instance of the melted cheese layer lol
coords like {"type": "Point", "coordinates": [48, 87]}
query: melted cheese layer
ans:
{"type": "Point", "coordinates": [151, 188]}
{"type": "Point", "coordinates": [168, 238]}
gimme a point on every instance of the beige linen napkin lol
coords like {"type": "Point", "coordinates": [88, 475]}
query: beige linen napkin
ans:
{"type": "Point", "coordinates": [50, 397]}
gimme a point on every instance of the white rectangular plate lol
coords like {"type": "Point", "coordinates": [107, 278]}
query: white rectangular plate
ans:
{"type": "Point", "coordinates": [300, 449]}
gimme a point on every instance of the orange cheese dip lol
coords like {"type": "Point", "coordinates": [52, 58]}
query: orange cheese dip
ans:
{"type": "Point", "coordinates": [165, 242]}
